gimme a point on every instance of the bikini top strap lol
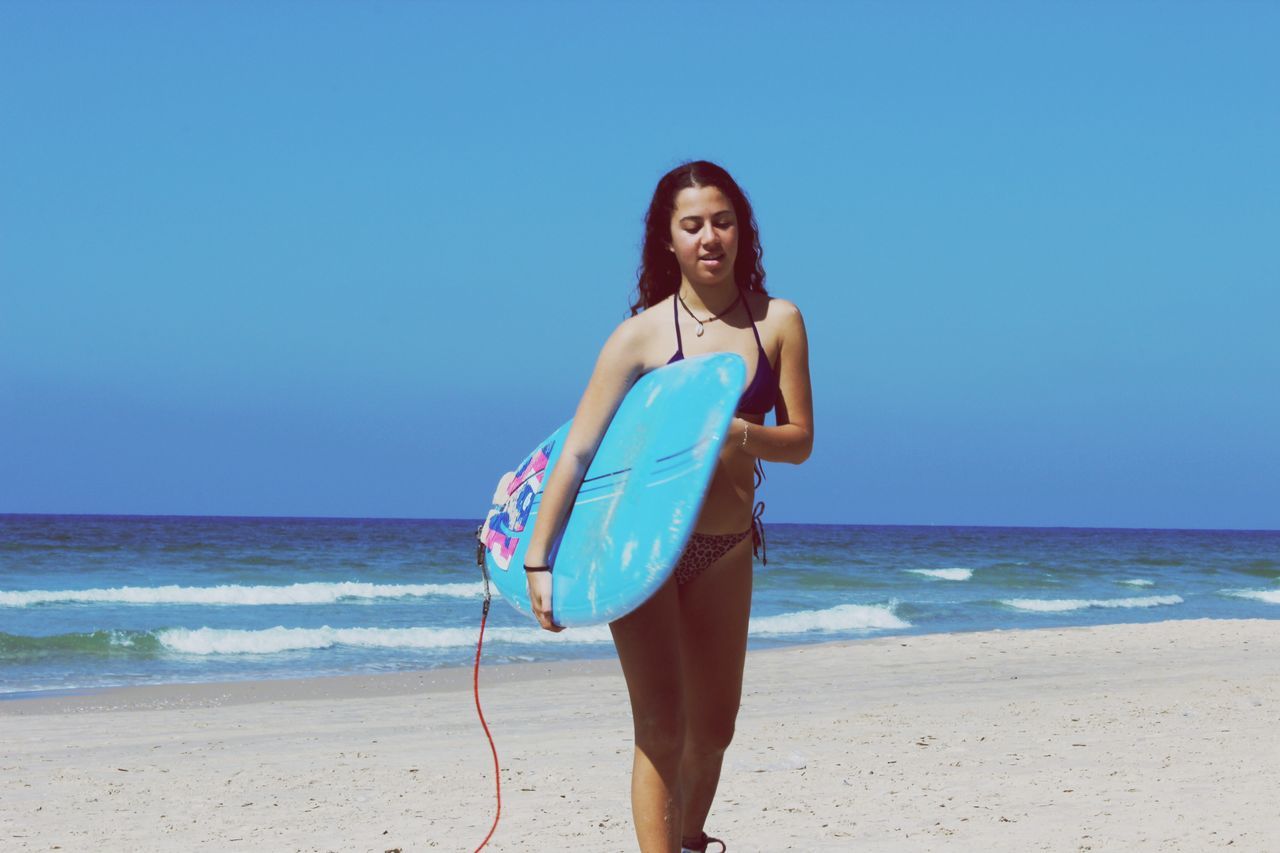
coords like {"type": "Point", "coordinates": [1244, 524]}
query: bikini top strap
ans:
{"type": "Point", "coordinates": [675, 315]}
{"type": "Point", "coordinates": [753, 322]}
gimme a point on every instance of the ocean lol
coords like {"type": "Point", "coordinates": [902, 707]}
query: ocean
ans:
{"type": "Point", "coordinates": [96, 601]}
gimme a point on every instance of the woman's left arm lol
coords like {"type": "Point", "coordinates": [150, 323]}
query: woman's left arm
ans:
{"type": "Point", "coordinates": [792, 439]}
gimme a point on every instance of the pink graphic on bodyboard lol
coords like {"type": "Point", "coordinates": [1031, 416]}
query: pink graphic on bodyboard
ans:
{"type": "Point", "coordinates": [512, 503]}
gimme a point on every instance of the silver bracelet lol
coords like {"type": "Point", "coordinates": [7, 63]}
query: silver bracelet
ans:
{"type": "Point", "coordinates": [746, 428]}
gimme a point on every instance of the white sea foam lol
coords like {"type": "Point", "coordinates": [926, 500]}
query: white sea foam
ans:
{"type": "Point", "coordinates": [298, 593]}
{"type": "Point", "coordinates": [1138, 582]}
{"type": "Point", "coordinates": [844, 617]}
{"type": "Point", "coordinates": [957, 574]}
{"type": "Point", "coordinates": [1270, 596]}
{"type": "Point", "coordinates": [228, 641]}
{"type": "Point", "coordinates": [1058, 605]}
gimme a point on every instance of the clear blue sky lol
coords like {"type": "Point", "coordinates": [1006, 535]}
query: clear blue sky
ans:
{"type": "Point", "coordinates": [355, 259]}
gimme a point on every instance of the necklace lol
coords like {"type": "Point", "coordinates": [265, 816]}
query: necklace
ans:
{"type": "Point", "coordinates": [697, 330]}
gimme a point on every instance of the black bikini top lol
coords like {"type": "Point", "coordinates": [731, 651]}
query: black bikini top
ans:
{"type": "Point", "coordinates": [762, 394]}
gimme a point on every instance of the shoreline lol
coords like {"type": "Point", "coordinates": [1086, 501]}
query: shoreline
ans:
{"type": "Point", "coordinates": [212, 694]}
{"type": "Point", "coordinates": [207, 694]}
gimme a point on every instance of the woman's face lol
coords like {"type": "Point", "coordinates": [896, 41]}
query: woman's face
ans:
{"type": "Point", "coordinates": [704, 235]}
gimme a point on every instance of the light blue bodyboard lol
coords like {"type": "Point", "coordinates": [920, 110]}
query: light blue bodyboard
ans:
{"type": "Point", "coordinates": [638, 502]}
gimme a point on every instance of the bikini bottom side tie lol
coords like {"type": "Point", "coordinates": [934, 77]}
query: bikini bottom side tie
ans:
{"type": "Point", "coordinates": [704, 549]}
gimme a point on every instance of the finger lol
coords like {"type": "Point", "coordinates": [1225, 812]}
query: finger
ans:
{"type": "Point", "coordinates": [544, 619]}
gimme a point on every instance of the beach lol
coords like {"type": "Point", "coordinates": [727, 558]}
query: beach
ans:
{"type": "Point", "coordinates": [1157, 736]}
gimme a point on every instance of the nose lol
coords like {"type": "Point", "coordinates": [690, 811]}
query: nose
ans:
{"type": "Point", "coordinates": [708, 237]}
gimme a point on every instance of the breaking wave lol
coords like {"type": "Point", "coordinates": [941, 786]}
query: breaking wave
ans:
{"type": "Point", "coordinates": [957, 574]}
{"type": "Point", "coordinates": [298, 593]}
{"type": "Point", "coordinates": [266, 641]}
{"type": "Point", "coordinates": [1060, 605]}
{"type": "Point", "coordinates": [1270, 596]}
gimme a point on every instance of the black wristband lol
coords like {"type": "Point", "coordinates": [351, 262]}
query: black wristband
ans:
{"type": "Point", "coordinates": [529, 568]}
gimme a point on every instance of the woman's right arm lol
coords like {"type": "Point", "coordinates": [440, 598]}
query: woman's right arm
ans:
{"type": "Point", "coordinates": [616, 370]}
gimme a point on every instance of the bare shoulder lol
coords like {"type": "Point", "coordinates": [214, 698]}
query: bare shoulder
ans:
{"type": "Point", "coordinates": [784, 310]}
{"type": "Point", "coordinates": [643, 340]}
{"type": "Point", "coordinates": [631, 339]}
{"type": "Point", "coordinates": [639, 328]}
{"type": "Point", "coordinates": [781, 315]}
{"type": "Point", "coordinates": [626, 336]}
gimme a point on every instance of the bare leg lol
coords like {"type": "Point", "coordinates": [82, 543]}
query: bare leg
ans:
{"type": "Point", "coordinates": [715, 609]}
{"type": "Point", "coordinates": [648, 645]}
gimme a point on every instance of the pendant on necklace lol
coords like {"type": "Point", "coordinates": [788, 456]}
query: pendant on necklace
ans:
{"type": "Point", "coordinates": [698, 330]}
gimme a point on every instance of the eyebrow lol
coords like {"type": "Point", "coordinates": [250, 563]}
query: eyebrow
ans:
{"type": "Point", "coordinates": [696, 218]}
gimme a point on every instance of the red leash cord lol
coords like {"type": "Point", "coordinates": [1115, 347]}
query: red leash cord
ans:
{"type": "Point", "coordinates": [497, 779]}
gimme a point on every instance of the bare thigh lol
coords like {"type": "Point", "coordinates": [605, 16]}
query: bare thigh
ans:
{"type": "Point", "coordinates": [715, 609]}
{"type": "Point", "coordinates": [682, 653]}
{"type": "Point", "coordinates": [648, 643]}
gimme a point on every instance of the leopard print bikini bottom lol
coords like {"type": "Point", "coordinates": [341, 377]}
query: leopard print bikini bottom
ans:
{"type": "Point", "coordinates": [704, 549]}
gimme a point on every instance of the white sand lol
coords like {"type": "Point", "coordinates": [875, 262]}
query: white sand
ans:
{"type": "Point", "coordinates": [1119, 738]}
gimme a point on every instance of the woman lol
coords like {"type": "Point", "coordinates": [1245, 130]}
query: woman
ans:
{"type": "Point", "coordinates": [701, 289]}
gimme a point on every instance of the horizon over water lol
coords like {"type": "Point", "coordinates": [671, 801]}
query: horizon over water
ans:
{"type": "Point", "coordinates": [475, 522]}
{"type": "Point", "coordinates": [91, 601]}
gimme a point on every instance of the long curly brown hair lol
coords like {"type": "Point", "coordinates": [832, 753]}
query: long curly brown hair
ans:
{"type": "Point", "coordinates": [659, 274]}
